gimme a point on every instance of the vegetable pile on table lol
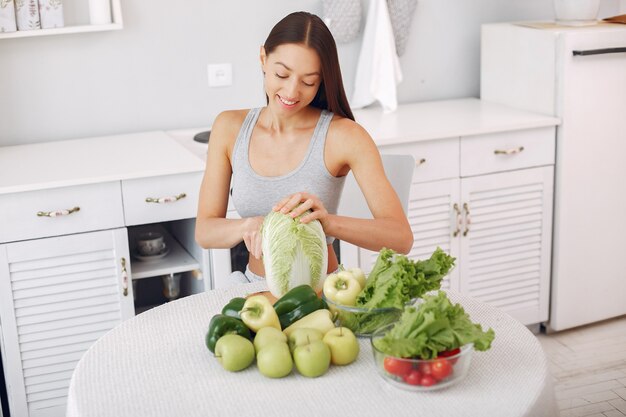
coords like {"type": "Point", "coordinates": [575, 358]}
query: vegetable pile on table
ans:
{"type": "Point", "coordinates": [296, 330]}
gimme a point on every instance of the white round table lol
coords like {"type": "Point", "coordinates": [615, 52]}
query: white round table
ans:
{"type": "Point", "coordinates": [156, 364]}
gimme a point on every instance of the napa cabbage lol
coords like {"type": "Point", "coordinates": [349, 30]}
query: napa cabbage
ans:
{"type": "Point", "coordinates": [293, 253]}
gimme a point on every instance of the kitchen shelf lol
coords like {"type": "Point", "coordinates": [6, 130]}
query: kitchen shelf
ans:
{"type": "Point", "coordinates": [60, 31]}
{"type": "Point", "coordinates": [117, 24]}
{"type": "Point", "coordinates": [177, 260]}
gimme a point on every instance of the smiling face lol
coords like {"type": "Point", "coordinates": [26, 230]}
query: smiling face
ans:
{"type": "Point", "coordinates": [293, 74]}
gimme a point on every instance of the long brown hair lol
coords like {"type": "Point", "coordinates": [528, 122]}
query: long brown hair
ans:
{"type": "Point", "coordinates": [309, 30]}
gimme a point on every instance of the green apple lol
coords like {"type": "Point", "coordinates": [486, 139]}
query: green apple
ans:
{"type": "Point", "coordinates": [312, 359]}
{"type": "Point", "coordinates": [266, 335]}
{"type": "Point", "coordinates": [343, 344]}
{"type": "Point", "coordinates": [359, 275]}
{"type": "Point", "coordinates": [234, 352]}
{"type": "Point", "coordinates": [342, 288]}
{"type": "Point", "coordinates": [303, 336]}
{"type": "Point", "coordinates": [274, 360]}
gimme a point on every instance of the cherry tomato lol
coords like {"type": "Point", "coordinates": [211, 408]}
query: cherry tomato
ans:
{"type": "Point", "coordinates": [413, 378]}
{"type": "Point", "coordinates": [427, 380]}
{"type": "Point", "coordinates": [441, 368]}
{"type": "Point", "coordinates": [448, 353]}
{"type": "Point", "coordinates": [425, 368]}
{"type": "Point", "coordinates": [397, 366]}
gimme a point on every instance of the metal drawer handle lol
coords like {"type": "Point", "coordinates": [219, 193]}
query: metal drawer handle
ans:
{"type": "Point", "coordinates": [124, 277]}
{"type": "Point", "coordinates": [420, 162]}
{"type": "Point", "coordinates": [509, 151]}
{"type": "Point", "coordinates": [57, 213]}
{"type": "Point", "coordinates": [458, 220]}
{"type": "Point", "coordinates": [162, 200]}
{"type": "Point", "coordinates": [598, 51]}
{"type": "Point", "coordinates": [468, 219]}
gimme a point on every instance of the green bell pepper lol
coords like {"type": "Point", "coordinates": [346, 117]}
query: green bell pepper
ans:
{"type": "Point", "coordinates": [233, 307]}
{"type": "Point", "coordinates": [221, 325]}
{"type": "Point", "coordinates": [293, 298]}
{"type": "Point", "coordinates": [287, 319]}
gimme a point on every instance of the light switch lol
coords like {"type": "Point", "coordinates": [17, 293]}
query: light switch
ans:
{"type": "Point", "coordinates": [220, 75]}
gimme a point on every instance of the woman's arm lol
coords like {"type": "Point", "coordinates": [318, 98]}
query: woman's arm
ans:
{"type": "Point", "coordinates": [213, 230]}
{"type": "Point", "coordinates": [350, 147]}
{"type": "Point", "coordinates": [390, 227]}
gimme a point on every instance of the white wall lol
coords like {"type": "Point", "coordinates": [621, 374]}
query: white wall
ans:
{"type": "Point", "coordinates": [152, 74]}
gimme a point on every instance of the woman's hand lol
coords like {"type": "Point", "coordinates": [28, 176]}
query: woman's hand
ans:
{"type": "Point", "coordinates": [252, 236]}
{"type": "Point", "coordinates": [298, 203]}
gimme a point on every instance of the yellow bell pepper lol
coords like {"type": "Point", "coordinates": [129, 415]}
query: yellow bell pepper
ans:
{"type": "Point", "coordinates": [320, 320]}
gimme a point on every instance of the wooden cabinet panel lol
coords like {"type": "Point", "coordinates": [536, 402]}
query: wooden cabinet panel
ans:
{"type": "Point", "coordinates": [100, 207]}
{"type": "Point", "coordinates": [60, 295]}
{"type": "Point", "coordinates": [505, 254]}
{"type": "Point", "coordinates": [507, 151]}
{"type": "Point", "coordinates": [434, 160]}
{"type": "Point", "coordinates": [177, 195]}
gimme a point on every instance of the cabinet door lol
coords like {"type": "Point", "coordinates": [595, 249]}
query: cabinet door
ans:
{"type": "Point", "coordinates": [505, 244]}
{"type": "Point", "coordinates": [59, 295]}
{"type": "Point", "coordinates": [433, 221]}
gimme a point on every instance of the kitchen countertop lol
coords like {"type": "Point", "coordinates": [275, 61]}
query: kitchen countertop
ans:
{"type": "Point", "coordinates": [93, 160]}
{"type": "Point", "coordinates": [446, 119]}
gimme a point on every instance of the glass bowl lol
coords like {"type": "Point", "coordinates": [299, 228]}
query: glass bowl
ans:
{"type": "Point", "coordinates": [362, 321]}
{"type": "Point", "coordinates": [421, 374]}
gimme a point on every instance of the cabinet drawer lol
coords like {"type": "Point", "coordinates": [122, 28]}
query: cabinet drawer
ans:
{"type": "Point", "coordinates": [434, 160]}
{"type": "Point", "coordinates": [507, 151]}
{"type": "Point", "coordinates": [99, 208]}
{"type": "Point", "coordinates": [158, 199]}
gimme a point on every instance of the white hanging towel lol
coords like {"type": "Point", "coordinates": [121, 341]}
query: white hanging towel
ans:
{"type": "Point", "coordinates": [378, 69]}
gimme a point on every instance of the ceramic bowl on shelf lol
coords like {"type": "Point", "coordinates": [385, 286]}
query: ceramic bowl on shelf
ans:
{"type": "Point", "coordinates": [362, 321]}
{"type": "Point", "coordinates": [150, 244]}
{"type": "Point", "coordinates": [415, 374]}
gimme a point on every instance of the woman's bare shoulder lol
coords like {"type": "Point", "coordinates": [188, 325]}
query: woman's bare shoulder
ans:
{"type": "Point", "coordinates": [226, 127]}
{"type": "Point", "coordinates": [348, 134]}
{"type": "Point", "coordinates": [229, 120]}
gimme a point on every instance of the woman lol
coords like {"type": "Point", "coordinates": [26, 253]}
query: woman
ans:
{"type": "Point", "coordinates": [293, 154]}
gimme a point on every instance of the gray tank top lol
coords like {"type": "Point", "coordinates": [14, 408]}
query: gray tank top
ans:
{"type": "Point", "coordinates": [255, 195]}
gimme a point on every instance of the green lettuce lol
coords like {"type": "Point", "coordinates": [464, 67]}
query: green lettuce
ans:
{"type": "Point", "coordinates": [434, 326]}
{"type": "Point", "coordinates": [396, 279]}
{"type": "Point", "coordinates": [293, 253]}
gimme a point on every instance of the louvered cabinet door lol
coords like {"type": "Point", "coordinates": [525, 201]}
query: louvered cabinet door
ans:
{"type": "Point", "coordinates": [59, 295]}
{"type": "Point", "coordinates": [506, 241]}
{"type": "Point", "coordinates": [433, 220]}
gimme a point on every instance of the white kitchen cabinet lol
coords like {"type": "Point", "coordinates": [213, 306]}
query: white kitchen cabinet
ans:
{"type": "Point", "coordinates": [68, 211]}
{"type": "Point", "coordinates": [579, 75]}
{"type": "Point", "coordinates": [505, 241]}
{"type": "Point", "coordinates": [60, 294]}
{"type": "Point", "coordinates": [486, 199]}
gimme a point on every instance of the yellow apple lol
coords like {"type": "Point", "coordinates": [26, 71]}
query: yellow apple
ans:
{"type": "Point", "coordinates": [343, 344]}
